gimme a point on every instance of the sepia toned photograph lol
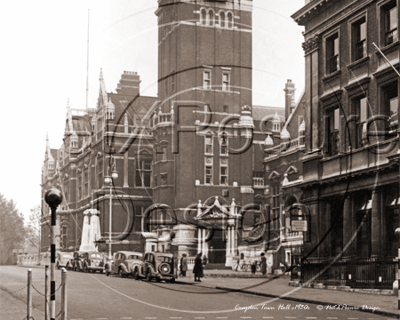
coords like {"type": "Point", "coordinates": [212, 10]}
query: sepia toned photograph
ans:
{"type": "Point", "coordinates": [200, 159]}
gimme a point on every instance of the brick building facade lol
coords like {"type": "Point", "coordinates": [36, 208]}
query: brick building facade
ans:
{"type": "Point", "coordinates": [192, 164]}
{"type": "Point", "coordinates": [351, 162]}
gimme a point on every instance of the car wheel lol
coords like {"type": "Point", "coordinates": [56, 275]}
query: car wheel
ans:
{"type": "Point", "coordinates": [172, 280]}
{"type": "Point", "coordinates": [136, 274]}
{"type": "Point", "coordinates": [148, 276]}
{"type": "Point", "coordinates": [120, 273]}
{"type": "Point", "coordinates": [158, 279]}
{"type": "Point", "coordinates": [244, 268]}
{"type": "Point", "coordinates": [107, 273]}
{"type": "Point", "coordinates": [85, 269]}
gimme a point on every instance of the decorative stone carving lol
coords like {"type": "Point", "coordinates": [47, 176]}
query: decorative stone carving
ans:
{"type": "Point", "coordinates": [311, 44]}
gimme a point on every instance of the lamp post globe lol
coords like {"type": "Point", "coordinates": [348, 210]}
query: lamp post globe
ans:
{"type": "Point", "coordinates": [397, 233]}
{"type": "Point", "coordinates": [53, 197]}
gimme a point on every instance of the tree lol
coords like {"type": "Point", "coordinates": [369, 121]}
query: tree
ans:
{"type": "Point", "coordinates": [12, 230]}
{"type": "Point", "coordinates": [33, 229]}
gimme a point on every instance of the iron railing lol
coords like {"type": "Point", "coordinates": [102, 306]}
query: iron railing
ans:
{"type": "Point", "coordinates": [367, 274]}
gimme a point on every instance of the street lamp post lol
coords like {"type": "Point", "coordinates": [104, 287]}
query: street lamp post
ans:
{"type": "Point", "coordinates": [108, 180]}
{"type": "Point", "coordinates": [397, 233]}
{"type": "Point", "coordinates": [53, 198]}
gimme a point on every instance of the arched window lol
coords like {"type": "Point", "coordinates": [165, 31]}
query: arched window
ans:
{"type": "Point", "coordinates": [222, 19]}
{"type": "Point", "coordinates": [203, 16]}
{"type": "Point", "coordinates": [211, 17]}
{"type": "Point", "coordinates": [230, 20]}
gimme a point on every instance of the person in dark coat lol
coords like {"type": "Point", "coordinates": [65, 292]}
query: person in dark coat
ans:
{"type": "Point", "coordinates": [198, 268]}
{"type": "Point", "coordinates": [184, 266]}
{"type": "Point", "coordinates": [263, 264]}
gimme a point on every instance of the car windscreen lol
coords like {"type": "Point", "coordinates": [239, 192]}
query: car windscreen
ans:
{"type": "Point", "coordinates": [95, 256]}
{"type": "Point", "coordinates": [164, 259]}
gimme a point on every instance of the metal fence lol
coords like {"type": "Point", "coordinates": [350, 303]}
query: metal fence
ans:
{"type": "Point", "coordinates": [367, 274]}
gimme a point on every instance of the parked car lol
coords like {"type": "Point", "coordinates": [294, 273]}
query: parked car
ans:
{"type": "Point", "coordinates": [124, 263]}
{"type": "Point", "coordinates": [77, 261]}
{"type": "Point", "coordinates": [156, 265]}
{"type": "Point", "coordinates": [93, 261]}
{"type": "Point", "coordinates": [64, 259]}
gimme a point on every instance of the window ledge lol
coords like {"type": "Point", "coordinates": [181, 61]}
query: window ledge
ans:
{"type": "Point", "coordinates": [358, 63]}
{"type": "Point", "coordinates": [389, 48]}
{"type": "Point", "coordinates": [331, 76]}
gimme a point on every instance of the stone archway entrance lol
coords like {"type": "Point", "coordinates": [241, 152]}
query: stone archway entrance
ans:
{"type": "Point", "coordinates": [217, 240]}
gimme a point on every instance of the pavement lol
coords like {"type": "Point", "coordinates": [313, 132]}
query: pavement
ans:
{"type": "Point", "coordinates": [278, 287]}
{"type": "Point", "coordinates": [11, 308]}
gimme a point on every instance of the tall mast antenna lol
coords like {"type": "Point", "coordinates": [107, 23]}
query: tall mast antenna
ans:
{"type": "Point", "coordinates": [87, 66]}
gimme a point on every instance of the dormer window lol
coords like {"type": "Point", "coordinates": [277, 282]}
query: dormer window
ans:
{"type": "Point", "coordinates": [276, 127]}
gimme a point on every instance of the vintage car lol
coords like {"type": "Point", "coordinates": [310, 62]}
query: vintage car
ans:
{"type": "Point", "coordinates": [124, 263]}
{"type": "Point", "coordinates": [93, 261]}
{"type": "Point", "coordinates": [156, 265]}
{"type": "Point", "coordinates": [64, 259]}
{"type": "Point", "coordinates": [87, 261]}
{"type": "Point", "coordinates": [77, 261]}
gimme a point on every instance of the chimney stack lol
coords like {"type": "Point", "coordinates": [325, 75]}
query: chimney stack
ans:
{"type": "Point", "coordinates": [289, 98]}
{"type": "Point", "coordinates": [129, 84]}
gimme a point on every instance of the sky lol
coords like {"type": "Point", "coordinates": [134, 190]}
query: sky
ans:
{"type": "Point", "coordinates": [44, 63]}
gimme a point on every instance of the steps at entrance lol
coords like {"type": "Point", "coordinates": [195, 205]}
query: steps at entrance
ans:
{"type": "Point", "coordinates": [217, 266]}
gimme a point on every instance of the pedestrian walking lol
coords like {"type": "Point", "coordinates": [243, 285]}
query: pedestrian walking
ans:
{"type": "Point", "coordinates": [184, 266]}
{"type": "Point", "coordinates": [198, 268]}
{"type": "Point", "coordinates": [263, 264]}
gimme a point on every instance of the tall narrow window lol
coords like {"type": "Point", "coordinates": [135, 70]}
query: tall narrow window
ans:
{"type": "Point", "coordinates": [207, 79]}
{"type": "Point", "coordinates": [333, 126]}
{"type": "Point", "coordinates": [203, 17]}
{"type": "Point", "coordinates": [225, 109]}
{"type": "Point", "coordinates": [275, 207]}
{"type": "Point", "coordinates": [230, 20]}
{"type": "Point", "coordinates": [223, 172]}
{"type": "Point", "coordinates": [359, 39]}
{"type": "Point", "coordinates": [208, 174]}
{"type": "Point", "coordinates": [86, 186]}
{"type": "Point", "coordinates": [224, 144]}
{"type": "Point", "coordinates": [389, 15]}
{"type": "Point", "coordinates": [143, 172]}
{"type": "Point", "coordinates": [211, 18]}
{"type": "Point", "coordinates": [225, 81]}
{"type": "Point", "coordinates": [79, 195]}
{"type": "Point", "coordinates": [173, 83]}
{"type": "Point", "coordinates": [332, 53]}
{"type": "Point", "coordinates": [390, 106]}
{"type": "Point", "coordinates": [222, 19]}
{"type": "Point", "coordinates": [361, 110]}
{"type": "Point", "coordinates": [208, 144]}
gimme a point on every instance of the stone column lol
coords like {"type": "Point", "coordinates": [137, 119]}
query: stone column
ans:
{"type": "Point", "coordinates": [233, 240]}
{"type": "Point", "coordinates": [376, 224]}
{"type": "Point", "coordinates": [199, 233]}
{"type": "Point", "coordinates": [126, 170]}
{"type": "Point", "coordinates": [348, 243]}
{"type": "Point", "coordinates": [228, 242]}
{"type": "Point", "coordinates": [203, 242]}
